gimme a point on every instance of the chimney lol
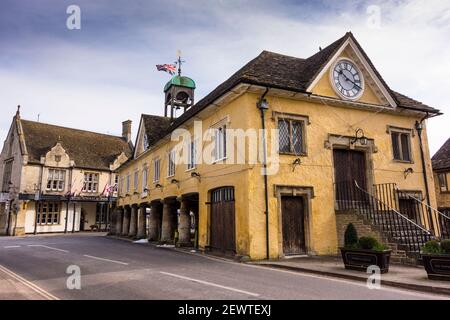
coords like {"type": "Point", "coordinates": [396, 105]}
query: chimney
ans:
{"type": "Point", "coordinates": [126, 130]}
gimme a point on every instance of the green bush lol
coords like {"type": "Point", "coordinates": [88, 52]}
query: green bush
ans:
{"type": "Point", "coordinates": [368, 243]}
{"type": "Point", "coordinates": [432, 247]}
{"type": "Point", "coordinates": [350, 236]}
{"type": "Point", "coordinates": [445, 246]}
{"type": "Point", "coordinates": [380, 247]}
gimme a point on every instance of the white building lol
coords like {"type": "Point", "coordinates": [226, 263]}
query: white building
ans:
{"type": "Point", "coordinates": [53, 179]}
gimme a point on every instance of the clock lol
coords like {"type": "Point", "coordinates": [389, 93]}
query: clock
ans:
{"type": "Point", "coordinates": [347, 80]}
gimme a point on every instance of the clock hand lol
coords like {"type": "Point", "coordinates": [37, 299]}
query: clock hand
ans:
{"type": "Point", "coordinates": [346, 78]}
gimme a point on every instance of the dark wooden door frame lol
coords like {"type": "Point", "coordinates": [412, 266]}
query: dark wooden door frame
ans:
{"type": "Point", "coordinates": [293, 225]}
{"type": "Point", "coordinates": [228, 240]}
{"type": "Point", "coordinates": [344, 142]}
{"type": "Point", "coordinates": [307, 193]}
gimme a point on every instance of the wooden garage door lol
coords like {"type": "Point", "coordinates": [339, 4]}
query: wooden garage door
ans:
{"type": "Point", "coordinates": [223, 220]}
{"type": "Point", "coordinates": [293, 219]}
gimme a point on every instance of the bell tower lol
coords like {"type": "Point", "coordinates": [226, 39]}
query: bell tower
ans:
{"type": "Point", "coordinates": [179, 93]}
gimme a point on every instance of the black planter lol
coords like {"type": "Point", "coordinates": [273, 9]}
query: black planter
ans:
{"type": "Point", "coordinates": [437, 266]}
{"type": "Point", "coordinates": [360, 259]}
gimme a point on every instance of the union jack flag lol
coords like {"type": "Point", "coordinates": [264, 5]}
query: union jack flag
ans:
{"type": "Point", "coordinates": [170, 68]}
{"type": "Point", "coordinates": [109, 189]}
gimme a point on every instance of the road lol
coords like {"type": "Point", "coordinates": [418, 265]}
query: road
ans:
{"type": "Point", "coordinates": [35, 267]}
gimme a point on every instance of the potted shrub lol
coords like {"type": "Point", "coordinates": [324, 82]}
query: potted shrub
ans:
{"type": "Point", "coordinates": [359, 254]}
{"type": "Point", "coordinates": [436, 259]}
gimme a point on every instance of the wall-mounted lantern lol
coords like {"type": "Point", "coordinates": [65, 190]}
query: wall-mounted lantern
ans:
{"type": "Point", "coordinates": [359, 135]}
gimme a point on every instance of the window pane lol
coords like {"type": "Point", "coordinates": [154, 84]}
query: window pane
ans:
{"type": "Point", "coordinates": [405, 147]}
{"type": "Point", "coordinates": [395, 146]}
{"type": "Point", "coordinates": [284, 137]}
{"type": "Point", "coordinates": [224, 142]}
{"type": "Point", "coordinates": [443, 182]}
{"type": "Point", "coordinates": [297, 138]}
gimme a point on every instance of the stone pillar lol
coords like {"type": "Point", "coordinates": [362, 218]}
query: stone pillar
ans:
{"type": "Point", "coordinates": [155, 221]}
{"type": "Point", "coordinates": [126, 221]}
{"type": "Point", "coordinates": [133, 222]}
{"type": "Point", "coordinates": [141, 222]}
{"type": "Point", "coordinates": [184, 227]}
{"type": "Point", "coordinates": [119, 217]}
{"type": "Point", "coordinates": [168, 221]}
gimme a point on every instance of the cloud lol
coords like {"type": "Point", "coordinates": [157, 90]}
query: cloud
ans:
{"type": "Point", "coordinates": [106, 70]}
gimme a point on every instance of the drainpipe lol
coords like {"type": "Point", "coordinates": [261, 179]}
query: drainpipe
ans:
{"type": "Point", "coordinates": [263, 105]}
{"type": "Point", "coordinates": [419, 128]}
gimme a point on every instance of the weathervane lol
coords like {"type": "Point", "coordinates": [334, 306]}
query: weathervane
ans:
{"type": "Point", "coordinates": [172, 68]}
{"type": "Point", "coordinates": [179, 62]}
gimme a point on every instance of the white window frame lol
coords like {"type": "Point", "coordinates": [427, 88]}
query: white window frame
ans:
{"type": "Point", "coordinates": [144, 178]}
{"type": "Point", "coordinates": [171, 163]}
{"type": "Point", "coordinates": [136, 180]}
{"type": "Point", "coordinates": [56, 180]}
{"type": "Point", "coordinates": [44, 213]}
{"type": "Point", "coordinates": [121, 184]}
{"type": "Point", "coordinates": [220, 143]}
{"type": "Point", "coordinates": [156, 170]}
{"type": "Point", "coordinates": [91, 182]}
{"type": "Point", "coordinates": [192, 155]}
{"type": "Point", "coordinates": [128, 186]}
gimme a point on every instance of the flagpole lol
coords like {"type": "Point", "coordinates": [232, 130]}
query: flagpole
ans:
{"type": "Point", "coordinates": [68, 195]}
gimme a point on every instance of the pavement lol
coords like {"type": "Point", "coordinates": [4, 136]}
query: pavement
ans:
{"type": "Point", "coordinates": [400, 276]}
{"type": "Point", "coordinates": [42, 267]}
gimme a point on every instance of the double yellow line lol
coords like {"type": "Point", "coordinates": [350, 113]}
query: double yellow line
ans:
{"type": "Point", "coordinates": [46, 295]}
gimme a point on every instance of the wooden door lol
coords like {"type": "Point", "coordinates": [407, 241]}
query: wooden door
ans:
{"type": "Point", "coordinates": [408, 207]}
{"type": "Point", "coordinates": [349, 166]}
{"type": "Point", "coordinates": [293, 224]}
{"type": "Point", "coordinates": [222, 225]}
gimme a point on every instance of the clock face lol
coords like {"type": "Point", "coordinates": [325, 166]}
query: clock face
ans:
{"type": "Point", "coordinates": [347, 80]}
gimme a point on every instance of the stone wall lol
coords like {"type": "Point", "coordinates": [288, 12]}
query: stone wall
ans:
{"type": "Point", "coordinates": [364, 228]}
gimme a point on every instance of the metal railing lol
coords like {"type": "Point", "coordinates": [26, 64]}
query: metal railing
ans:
{"type": "Point", "coordinates": [382, 208]}
{"type": "Point", "coordinates": [440, 220]}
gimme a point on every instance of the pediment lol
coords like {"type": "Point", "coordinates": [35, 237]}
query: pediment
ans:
{"type": "Point", "coordinates": [374, 91]}
{"type": "Point", "coordinates": [57, 157]}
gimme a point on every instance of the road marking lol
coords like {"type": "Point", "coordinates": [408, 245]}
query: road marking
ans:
{"type": "Point", "coordinates": [29, 284]}
{"type": "Point", "coordinates": [302, 273]}
{"type": "Point", "coordinates": [51, 248]}
{"type": "Point", "coordinates": [210, 284]}
{"type": "Point", "coordinates": [10, 247]}
{"type": "Point", "coordinates": [108, 260]}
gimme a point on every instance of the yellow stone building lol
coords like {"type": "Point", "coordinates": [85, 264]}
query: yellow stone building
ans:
{"type": "Point", "coordinates": [336, 136]}
{"type": "Point", "coordinates": [441, 168]}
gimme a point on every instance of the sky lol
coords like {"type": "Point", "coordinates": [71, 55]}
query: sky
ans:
{"type": "Point", "coordinates": [95, 77]}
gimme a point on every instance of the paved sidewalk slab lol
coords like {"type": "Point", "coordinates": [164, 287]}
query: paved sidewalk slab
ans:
{"type": "Point", "coordinates": [408, 277]}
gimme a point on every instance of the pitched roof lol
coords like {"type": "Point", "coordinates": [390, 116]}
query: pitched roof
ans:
{"type": "Point", "coordinates": [441, 160]}
{"type": "Point", "coordinates": [290, 73]}
{"type": "Point", "coordinates": [88, 149]}
{"type": "Point", "coordinates": [155, 127]}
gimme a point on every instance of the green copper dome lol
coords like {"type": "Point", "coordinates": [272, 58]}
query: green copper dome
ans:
{"type": "Point", "coordinates": [181, 82]}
